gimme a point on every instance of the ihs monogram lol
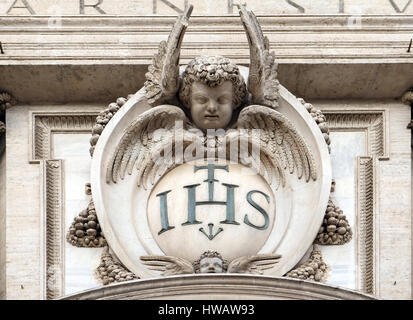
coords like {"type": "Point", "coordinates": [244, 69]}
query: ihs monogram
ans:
{"type": "Point", "coordinates": [229, 204]}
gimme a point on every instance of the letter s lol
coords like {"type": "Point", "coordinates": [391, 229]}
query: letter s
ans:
{"type": "Point", "coordinates": [259, 208]}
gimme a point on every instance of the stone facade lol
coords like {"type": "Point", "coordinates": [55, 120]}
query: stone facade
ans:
{"type": "Point", "coordinates": [355, 74]}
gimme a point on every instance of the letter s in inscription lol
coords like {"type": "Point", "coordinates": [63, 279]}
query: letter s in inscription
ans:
{"type": "Point", "coordinates": [259, 208]}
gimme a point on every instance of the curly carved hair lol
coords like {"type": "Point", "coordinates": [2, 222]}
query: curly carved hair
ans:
{"type": "Point", "coordinates": [210, 254]}
{"type": "Point", "coordinates": [212, 71]}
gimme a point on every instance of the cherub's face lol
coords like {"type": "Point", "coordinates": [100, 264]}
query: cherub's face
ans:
{"type": "Point", "coordinates": [211, 108]}
{"type": "Point", "coordinates": [210, 265]}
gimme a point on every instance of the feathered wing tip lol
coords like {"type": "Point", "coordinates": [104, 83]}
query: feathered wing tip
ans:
{"type": "Point", "coordinates": [256, 264]}
{"type": "Point", "coordinates": [168, 265]}
{"type": "Point", "coordinates": [281, 146]}
{"type": "Point", "coordinates": [162, 78]}
{"type": "Point", "coordinates": [139, 140]}
{"type": "Point", "coordinates": [262, 80]}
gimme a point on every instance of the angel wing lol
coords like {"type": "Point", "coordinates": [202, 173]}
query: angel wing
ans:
{"type": "Point", "coordinates": [163, 74]}
{"type": "Point", "coordinates": [145, 142]}
{"type": "Point", "coordinates": [253, 264]}
{"type": "Point", "coordinates": [281, 146]}
{"type": "Point", "coordinates": [262, 80]}
{"type": "Point", "coordinates": [168, 265]}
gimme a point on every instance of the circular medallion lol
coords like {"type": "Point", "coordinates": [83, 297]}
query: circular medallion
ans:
{"type": "Point", "coordinates": [195, 207]}
{"type": "Point", "coordinates": [217, 206]}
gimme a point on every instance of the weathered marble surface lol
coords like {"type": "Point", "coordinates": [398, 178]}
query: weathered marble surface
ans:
{"type": "Point", "coordinates": [23, 252]}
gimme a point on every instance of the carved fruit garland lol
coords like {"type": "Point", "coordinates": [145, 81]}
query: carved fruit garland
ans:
{"type": "Point", "coordinates": [90, 234]}
{"type": "Point", "coordinates": [85, 230]}
{"type": "Point", "coordinates": [335, 229]}
{"type": "Point", "coordinates": [314, 269]}
{"type": "Point", "coordinates": [6, 102]}
{"type": "Point", "coordinates": [110, 270]}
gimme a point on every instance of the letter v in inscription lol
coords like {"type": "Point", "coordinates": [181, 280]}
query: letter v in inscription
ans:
{"type": "Point", "coordinates": [396, 7]}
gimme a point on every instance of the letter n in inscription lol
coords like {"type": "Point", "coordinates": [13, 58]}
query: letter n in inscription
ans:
{"type": "Point", "coordinates": [259, 208]}
{"type": "Point", "coordinates": [164, 212]}
{"type": "Point", "coordinates": [170, 5]}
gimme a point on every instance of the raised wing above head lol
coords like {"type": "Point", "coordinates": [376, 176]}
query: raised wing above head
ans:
{"type": "Point", "coordinates": [281, 145]}
{"type": "Point", "coordinates": [253, 264]}
{"type": "Point", "coordinates": [168, 265]}
{"type": "Point", "coordinates": [163, 74]}
{"type": "Point", "coordinates": [262, 79]}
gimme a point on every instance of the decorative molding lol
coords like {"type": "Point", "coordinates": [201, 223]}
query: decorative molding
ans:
{"type": "Point", "coordinates": [220, 286]}
{"type": "Point", "coordinates": [365, 224]}
{"type": "Point", "coordinates": [45, 124]}
{"type": "Point", "coordinates": [373, 122]}
{"type": "Point", "coordinates": [20, 42]}
{"type": "Point", "coordinates": [53, 217]}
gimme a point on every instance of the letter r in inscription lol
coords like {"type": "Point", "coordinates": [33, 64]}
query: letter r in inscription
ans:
{"type": "Point", "coordinates": [82, 6]}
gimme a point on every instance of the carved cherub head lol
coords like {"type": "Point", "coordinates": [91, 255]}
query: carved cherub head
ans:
{"type": "Point", "coordinates": [212, 87]}
{"type": "Point", "coordinates": [210, 262]}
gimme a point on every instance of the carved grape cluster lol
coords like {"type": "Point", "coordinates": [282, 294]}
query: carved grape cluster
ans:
{"type": "Point", "coordinates": [314, 269]}
{"type": "Point", "coordinates": [6, 101]}
{"type": "Point", "coordinates": [110, 270]}
{"type": "Point", "coordinates": [320, 119]}
{"type": "Point", "coordinates": [335, 229]}
{"type": "Point", "coordinates": [85, 229]}
{"type": "Point", "coordinates": [103, 119]}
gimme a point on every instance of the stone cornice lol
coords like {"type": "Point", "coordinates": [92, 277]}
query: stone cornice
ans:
{"type": "Point", "coordinates": [199, 23]}
{"type": "Point", "coordinates": [134, 39]}
{"type": "Point", "coordinates": [220, 286]}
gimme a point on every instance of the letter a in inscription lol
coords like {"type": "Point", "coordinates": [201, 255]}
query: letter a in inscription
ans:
{"type": "Point", "coordinates": [26, 6]}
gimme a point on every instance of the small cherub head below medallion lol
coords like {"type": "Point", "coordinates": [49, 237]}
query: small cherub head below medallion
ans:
{"type": "Point", "coordinates": [212, 87]}
{"type": "Point", "coordinates": [210, 262]}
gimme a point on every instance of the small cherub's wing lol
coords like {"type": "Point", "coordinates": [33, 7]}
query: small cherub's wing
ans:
{"type": "Point", "coordinates": [144, 142]}
{"type": "Point", "coordinates": [254, 264]}
{"type": "Point", "coordinates": [281, 146]}
{"type": "Point", "coordinates": [168, 265]}
{"type": "Point", "coordinates": [262, 80]}
{"type": "Point", "coordinates": [162, 78]}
